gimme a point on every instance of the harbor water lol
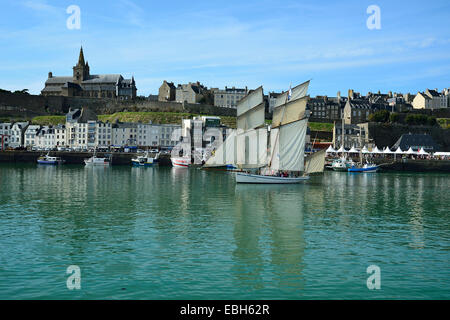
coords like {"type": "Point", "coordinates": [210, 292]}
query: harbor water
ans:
{"type": "Point", "coordinates": [176, 233]}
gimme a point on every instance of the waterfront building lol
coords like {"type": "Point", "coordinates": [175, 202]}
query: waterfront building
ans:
{"type": "Point", "coordinates": [124, 134]}
{"type": "Point", "coordinates": [30, 135]}
{"type": "Point", "coordinates": [5, 134]}
{"type": "Point", "coordinates": [103, 133]}
{"type": "Point", "coordinates": [17, 134]}
{"type": "Point", "coordinates": [168, 136]}
{"type": "Point", "coordinates": [83, 84]}
{"type": "Point", "coordinates": [229, 97]}
{"type": "Point", "coordinates": [148, 135]}
{"type": "Point", "coordinates": [167, 91]}
{"type": "Point", "coordinates": [77, 128]}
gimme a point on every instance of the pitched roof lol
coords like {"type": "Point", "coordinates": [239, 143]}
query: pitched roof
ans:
{"type": "Point", "coordinates": [416, 141]}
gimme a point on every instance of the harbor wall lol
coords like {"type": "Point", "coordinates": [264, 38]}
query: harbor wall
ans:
{"type": "Point", "coordinates": [17, 156]}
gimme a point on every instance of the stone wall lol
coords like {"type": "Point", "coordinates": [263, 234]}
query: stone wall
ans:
{"type": "Point", "coordinates": [385, 134]}
{"type": "Point", "coordinates": [28, 106]}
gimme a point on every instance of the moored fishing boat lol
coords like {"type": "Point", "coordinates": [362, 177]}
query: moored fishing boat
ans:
{"type": "Point", "coordinates": [366, 168]}
{"type": "Point", "coordinates": [47, 159]}
{"type": "Point", "coordinates": [342, 164]}
{"type": "Point", "coordinates": [98, 161]}
{"type": "Point", "coordinates": [145, 160]}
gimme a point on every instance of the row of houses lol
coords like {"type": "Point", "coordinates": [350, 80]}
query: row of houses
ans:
{"type": "Point", "coordinates": [82, 130]}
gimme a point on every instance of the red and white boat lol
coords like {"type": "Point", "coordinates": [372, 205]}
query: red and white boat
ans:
{"type": "Point", "coordinates": [183, 162]}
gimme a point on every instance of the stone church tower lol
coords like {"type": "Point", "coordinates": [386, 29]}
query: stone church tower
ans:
{"type": "Point", "coordinates": [81, 70]}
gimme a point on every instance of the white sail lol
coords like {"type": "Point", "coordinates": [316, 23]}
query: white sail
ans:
{"type": "Point", "coordinates": [225, 154]}
{"type": "Point", "coordinates": [251, 110]}
{"type": "Point", "coordinates": [274, 149]}
{"type": "Point", "coordinates": [252, 148]}
{"type": "Point", "coordinates": [290, 112]}
{"type": "Point", "coordinates": [292, 145]}
{"type": "Point", "coordinates": [315, 163]}
{"type": "Point", "coordinates": [297, 92]}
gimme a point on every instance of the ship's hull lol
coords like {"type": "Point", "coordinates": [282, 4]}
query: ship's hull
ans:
{"type": "Point", "coordinates": [364, 170]}
{"type": "Point", "coordinates": [141, 164]}
{"type": "Point", "coordinates": [96, 163]}
{"type": "Point", "coordinates": [242, 177]}
{"type": "Point", "coordinates": [47, 162]}
{"type": "Point", "coordinates": [180, 162]}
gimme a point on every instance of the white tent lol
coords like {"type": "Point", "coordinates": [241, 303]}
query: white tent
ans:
{"type": "Point", "coordinates": [388, 151]}
{"type": "Point", "coordinates": [342, 149]}
{"type": "Point", "coordinates": [353, 150]}
{"type": "Point", "coordinates": [365, 150]}
{"type": "Point", "coordinates": [410, 151]}
{"type": "Point", "coordinates": [422, 152]}
{"type": "Point", "coordinates": [330, 150]}
{"type": "Point", "coordinates": [439, 154]}
{"type": "Point", "coordinates": [376, 151]}
{"type": "Point", "coordinates": [399, 151]}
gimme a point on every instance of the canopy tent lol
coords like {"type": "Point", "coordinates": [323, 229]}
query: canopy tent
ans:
{"type": "Point", "coordinates": [410, 151]}
{"type": "Point", "coordinates": [399, 151]}
{"type": "Point", "coordinates": [353, 150]}
{"type": "Point", "coordinates": [342, 149]}
{"type": "Point", "coordinates": [439, 154]}
{"type": "Point", "coordinates": [376, 151]}
{"type": "Point", "coordinates": [422, 152]}
{"type": "Point", "coordinates": [330, 150]}
{"type": "Point", "coordinates": [365, 150]}
{"type": "Point", "coordinates": [388, 151]}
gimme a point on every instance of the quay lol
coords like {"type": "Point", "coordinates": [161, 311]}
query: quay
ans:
{"type": "Point", "coordinates": [118, 158]}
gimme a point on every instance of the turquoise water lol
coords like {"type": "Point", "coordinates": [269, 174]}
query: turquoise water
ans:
{"type": "Point", "coordinates": [166, 233]}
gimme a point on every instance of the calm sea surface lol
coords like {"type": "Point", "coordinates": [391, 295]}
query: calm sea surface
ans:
{"type": "Point", "coordinates": [166, 233]}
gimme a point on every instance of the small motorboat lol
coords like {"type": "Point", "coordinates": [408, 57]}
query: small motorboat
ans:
{"type": "Point", "coordinates": [145, 161]}
{"type": "Point", "coordinates": [366, 168]}
{"type": "Point", "coordinates": [98, 161]}
{"type": "Point", "coordinates": [47, 159]}
{"type": "Point", "coordinates": [342, 164]}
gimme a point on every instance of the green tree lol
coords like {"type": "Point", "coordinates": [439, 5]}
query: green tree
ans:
{"type": "Point", "coordinates": [379, 116]}
{"type": "Point", "coordinates": [394, 117]}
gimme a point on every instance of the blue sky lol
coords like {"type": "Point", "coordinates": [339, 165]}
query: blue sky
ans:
{"type": "Point", "coordinates": [231, 43]}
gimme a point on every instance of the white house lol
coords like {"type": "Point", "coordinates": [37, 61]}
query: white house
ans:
{"type": "Point", "coordinates": [30, 135]}
{"type": "Point", "coordinates": [17, 134]}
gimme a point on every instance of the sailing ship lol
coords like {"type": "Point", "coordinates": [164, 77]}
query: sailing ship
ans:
{"type": "Point", "coordinates": [270, 154]}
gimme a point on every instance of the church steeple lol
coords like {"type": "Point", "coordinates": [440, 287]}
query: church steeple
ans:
{"type": "Point", "coordinates": [81, 58]}
{"type": "Point", "coordinates": [81, 70]}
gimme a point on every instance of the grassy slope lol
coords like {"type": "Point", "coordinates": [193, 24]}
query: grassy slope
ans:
{"type": "Point", "coordinates": [162, 118]}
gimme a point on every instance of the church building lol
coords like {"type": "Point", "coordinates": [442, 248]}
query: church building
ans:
{"type": "Point", "coordinates": [84, 84]}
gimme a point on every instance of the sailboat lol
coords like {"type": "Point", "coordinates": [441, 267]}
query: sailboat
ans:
{"type": "Point", "coordinates": [270, 155]}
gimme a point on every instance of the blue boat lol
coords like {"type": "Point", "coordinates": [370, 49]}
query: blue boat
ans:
{"type": "Point", "coordinates": [50, 160]}
{"type": "Point", "coordinates": [145, 160]}
{"type": "Point", "coordinates": [367, 168]}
